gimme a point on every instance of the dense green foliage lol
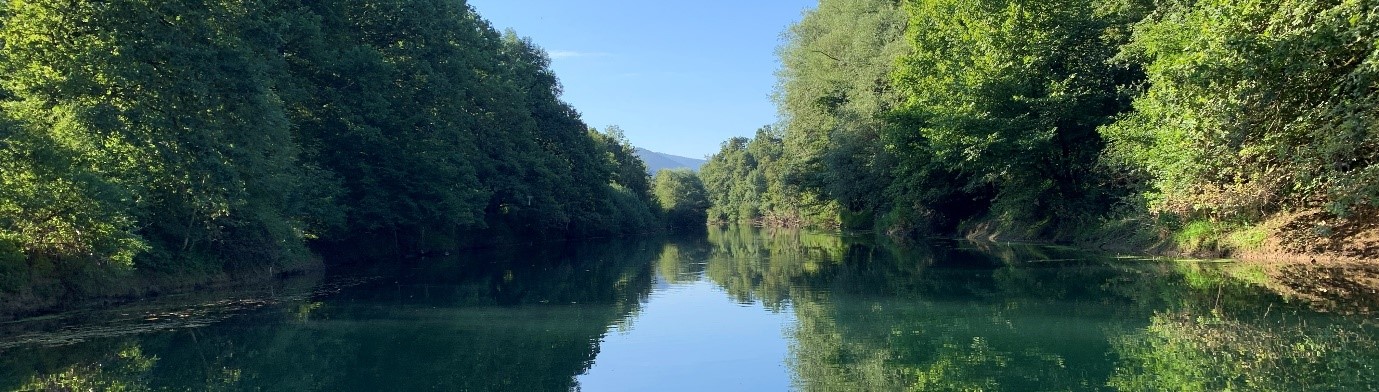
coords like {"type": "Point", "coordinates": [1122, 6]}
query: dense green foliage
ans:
{"type": "Point", "coordinates": [682, 197]}
{"type": "Point", "coordinates": [826, 164]}
{"type": "Point", "coordinates": [1002, 102]}
{"type": "Point", "coordinates": [1052, 119]}
{"type": "Point", "coordinates": [920, 115]}
{"type": "Point", "coordinates": [835, 90]}
{"type": "Point", "coordinates": [1255, 107]}
{"type": "Point", "coordinates": [200, 138]}
{"type": "Point", "coordinates": [745, 181]}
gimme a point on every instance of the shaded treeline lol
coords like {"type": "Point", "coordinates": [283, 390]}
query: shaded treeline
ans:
{"type": "Point", "coordinates": [1194, 121]}
{"type": "Point", "coordinates": [185, 141]}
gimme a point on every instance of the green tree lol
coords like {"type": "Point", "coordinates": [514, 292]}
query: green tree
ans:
{"type": "Point", "coordinates": [171, 110]}
{"type": "Point", "coordinates": [835, 89]}
{"type": "Point", "coordinates": [682, 197]}
{"type": "Point", "coordinates": [374, 107]}
{"type": "Point", "coordinates": [1008, 96]}
{"type": "Point", "coordinates": [194, 140]}
{"type": "Point", "coordinates": [745, 183]}
{"type": "Point", "coordinates": [628, 203]}
{"type": "Point", "coordinates": [1253, 108]}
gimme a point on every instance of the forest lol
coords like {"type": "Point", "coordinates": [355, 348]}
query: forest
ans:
{"type": "Point", "coordinates": [1217, 127]}
{"type": "Point", "coordinates": [175, 143]}
{"type": "Point", "coordinates": [151, 145]}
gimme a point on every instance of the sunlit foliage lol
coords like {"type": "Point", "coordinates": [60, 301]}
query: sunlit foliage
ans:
{"type": "Point", "coordinates": [682, 197]}
{"type": "Point", "coordinates": [1071, 119]}
{"type": "Point", "coordinates": [1254, 107]}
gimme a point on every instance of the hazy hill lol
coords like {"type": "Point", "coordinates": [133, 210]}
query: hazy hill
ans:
{"type": "Point", "coordinates": [656, 161]}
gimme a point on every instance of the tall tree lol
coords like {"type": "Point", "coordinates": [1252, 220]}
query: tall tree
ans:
{"type": "Point", "coordinates": [1255, 107]}
{"type": "Point", "coordinates": [201, 138]}
{"type": "Point", "coordinates": [171, 107]}
{"type": "Point", "coordinates": [682, 197]}
{"type": "Point", "coordinates": [745, 182]}
{"type": "Point", "coordinates": [1008, 95]}
{"type": "Point", "coordinates": [835, 89]}
{"type": "Point", "coordinates": [628, 205]}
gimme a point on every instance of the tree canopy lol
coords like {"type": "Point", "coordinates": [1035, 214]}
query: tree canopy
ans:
{"type": "Point", "coordinates": [1198, 122]}
{"type": "Point", "coordinates": [681, 195]}
{"type": "Point", "coordinates": [203, 138]}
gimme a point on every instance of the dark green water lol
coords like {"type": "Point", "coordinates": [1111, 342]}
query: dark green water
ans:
{"type": "Point", "coordinates": [736, 309]}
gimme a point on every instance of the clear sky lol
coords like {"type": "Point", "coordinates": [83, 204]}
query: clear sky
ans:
{"type": "Point", "coordinates": [678, 77]}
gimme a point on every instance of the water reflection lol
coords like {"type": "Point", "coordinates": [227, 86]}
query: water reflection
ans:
{"type": "Point", "coordinates": [964, 316]}
{"type": "Point", "coordinates": [733, 308]}
{"type": "Point", "coordinates": [516, 319]}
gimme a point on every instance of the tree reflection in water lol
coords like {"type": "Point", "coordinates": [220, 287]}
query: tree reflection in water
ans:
{"type": "Point", "coordinates": [962, 316]}
{"type": "Point", "coordinates": [869, 315]}
{"type": "Point", "coordinates": [513, 319]}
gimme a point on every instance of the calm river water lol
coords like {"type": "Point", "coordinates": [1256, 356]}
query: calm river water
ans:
{"type": "Point", "coordinates": [735, 309]}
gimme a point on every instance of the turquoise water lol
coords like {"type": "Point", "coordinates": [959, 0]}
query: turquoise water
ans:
{"type": "Point", "coordinates": [735, 309]}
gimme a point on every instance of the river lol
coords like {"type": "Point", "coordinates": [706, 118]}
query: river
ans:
{"type": "Point", "coordinates": [732, 309]}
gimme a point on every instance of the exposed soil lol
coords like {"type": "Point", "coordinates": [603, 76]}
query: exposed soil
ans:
{"type": "Point", "coordinates": [1344, 287]}
{"type": "Point", "coordinates": [1311, 255]}
{"type": "Point", "coordinates": [1322, 258]}
{"type": "Point", "coordinates": [1321, 235]}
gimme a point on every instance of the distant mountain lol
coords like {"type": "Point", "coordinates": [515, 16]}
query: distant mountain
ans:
{"type": "Point", "coordinates": [656, 161]}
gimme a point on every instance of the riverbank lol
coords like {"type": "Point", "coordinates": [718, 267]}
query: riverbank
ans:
{"type": "Point", "coordinates": [1313, 256]}
{"type": "Point", "coordinates": [1329, 261]}
{"type": "Point", "coordinates": [55, 289]}
{"type": "Point", "coordinates": [1304, 236]}
{"type": "Point", "coordinates": [1339, 271]}
{"type": "Point", "coordinates": [57, 293]}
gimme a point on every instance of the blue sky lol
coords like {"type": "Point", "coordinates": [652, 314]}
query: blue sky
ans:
{"type": "Point", "coordinates": [678, 77]}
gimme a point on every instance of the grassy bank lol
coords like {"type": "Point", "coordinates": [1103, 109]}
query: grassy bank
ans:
{"type": "Point", "coordinates": [1310, 236]}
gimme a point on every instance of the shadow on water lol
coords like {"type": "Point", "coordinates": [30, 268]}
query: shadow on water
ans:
{"type": "Point", "coordinates": [868, 315]}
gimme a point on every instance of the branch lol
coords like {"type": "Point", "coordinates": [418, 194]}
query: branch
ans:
{"type": "Point", "coordinates": [829, 56]}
